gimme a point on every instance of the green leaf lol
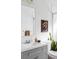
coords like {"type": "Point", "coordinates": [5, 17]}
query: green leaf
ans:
{"type": "Point", "coordinates": [54, 45]}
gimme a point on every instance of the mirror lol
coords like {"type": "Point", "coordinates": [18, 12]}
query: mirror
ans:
{"type": "Point", "coordinates": [27, 23]}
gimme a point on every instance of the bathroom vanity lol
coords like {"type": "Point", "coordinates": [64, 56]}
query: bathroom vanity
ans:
{"type": "Point", "coordinates": [34, 51]}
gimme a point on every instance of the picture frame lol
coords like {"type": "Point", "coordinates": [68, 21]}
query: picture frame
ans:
{"type": "Point", "coordinates": [44, 25]}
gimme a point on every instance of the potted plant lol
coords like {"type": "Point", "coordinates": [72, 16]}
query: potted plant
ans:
{"type": "Point", "coordinates": [53, 43]}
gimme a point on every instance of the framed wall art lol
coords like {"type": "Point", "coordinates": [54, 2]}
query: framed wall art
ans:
{"type": "Point", "coordinates": [44, 25]}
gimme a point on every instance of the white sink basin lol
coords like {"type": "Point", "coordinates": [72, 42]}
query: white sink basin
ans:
{"type": "Point", "coordinates": [27, 45]}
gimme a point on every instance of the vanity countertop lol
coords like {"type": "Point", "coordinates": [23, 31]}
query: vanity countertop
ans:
{"type": "Point", "coordinates": [26, 47]}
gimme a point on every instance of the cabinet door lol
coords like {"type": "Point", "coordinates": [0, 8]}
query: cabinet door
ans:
{"type": "Point", "coordinates": [44, 52]}
{"type": "Point", "coordinates": [36, 56]}
{"type": "Point", "coordinates": [35, 53]}
{"type": "Point", "coordinates": [40, 53]}
{"type": "Point", "coordinates": [24, 55]}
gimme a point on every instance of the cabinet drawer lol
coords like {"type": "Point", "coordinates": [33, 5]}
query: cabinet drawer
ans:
{"type": "Point", "coordinates": [24, 53]}
{"type": "Point", "coordinates": [35, 51]}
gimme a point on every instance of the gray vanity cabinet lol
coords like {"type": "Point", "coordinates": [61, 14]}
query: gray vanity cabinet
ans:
{"type": "Point", "coordinates": [37, 53]}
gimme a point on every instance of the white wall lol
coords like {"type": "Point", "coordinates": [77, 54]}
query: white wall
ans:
{"type": "Point", "coordinates": [54, 6]}
{"type": "Point", "coordinates": [55, 26]}
{"type": "Point", "coordinates": [54, 11]}
{"type": "Point", "coordinates": [43, 12]}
